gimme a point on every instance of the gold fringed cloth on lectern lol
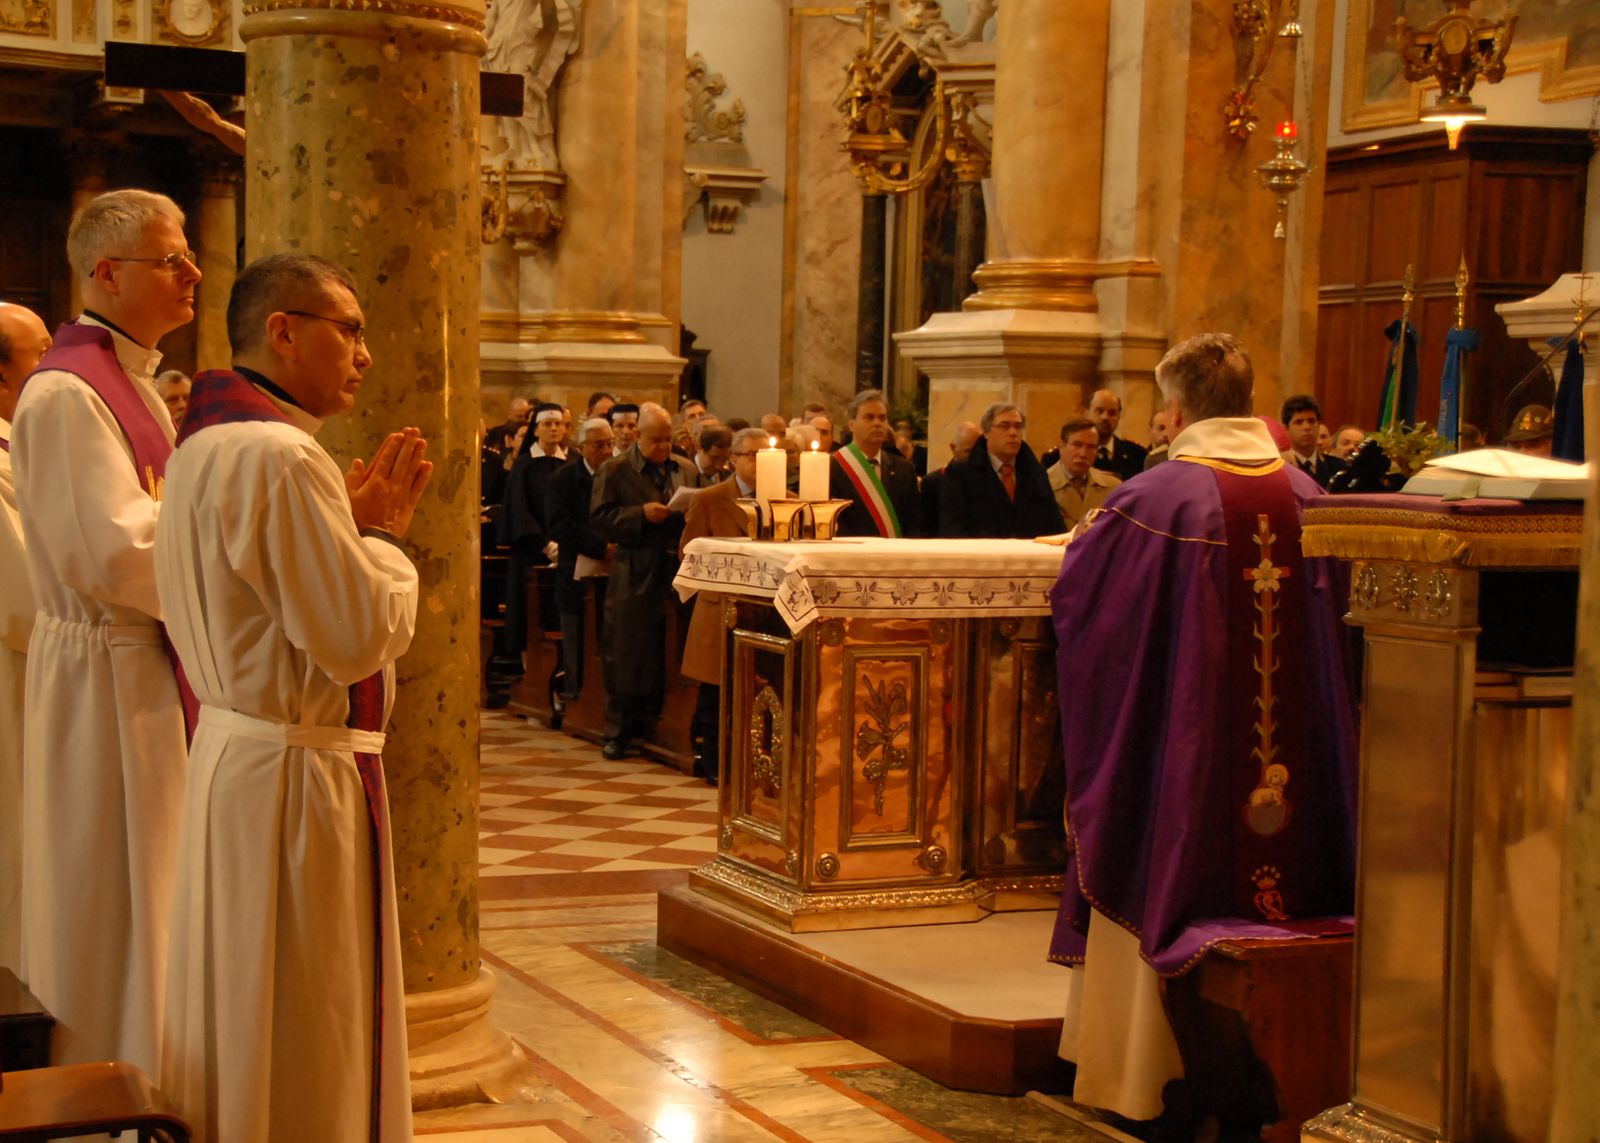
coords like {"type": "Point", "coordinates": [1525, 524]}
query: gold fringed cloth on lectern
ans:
{"type": "Point", "coordinates": [1425, 529]}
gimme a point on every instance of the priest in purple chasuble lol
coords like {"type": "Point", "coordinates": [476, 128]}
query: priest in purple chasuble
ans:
{"type": "Point", "coordinates": [289, 599]}
{"type": "Point", "coordinates": [104, 751]}
{"type": "Point", "coordinates": [1207, 723]}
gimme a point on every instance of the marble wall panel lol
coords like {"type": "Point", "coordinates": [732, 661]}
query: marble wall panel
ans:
{"type": "Point", "coordinates": [822, 243]}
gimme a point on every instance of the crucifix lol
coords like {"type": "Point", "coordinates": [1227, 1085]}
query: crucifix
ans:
{"type": "Point", "coordinates": [178, 72]}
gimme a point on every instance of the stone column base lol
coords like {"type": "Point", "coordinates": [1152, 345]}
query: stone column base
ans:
{"type": "Point", "coordinates": [457, 1054]}
{"type": "Point", "coordinates": [1047, 361]}
{"type": "Point", "coordinates": [568, 371]}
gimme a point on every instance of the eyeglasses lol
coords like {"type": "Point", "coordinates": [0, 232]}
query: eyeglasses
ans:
{"type": "Point", "coordinates": [746, 452]}
{"type": "Point", "coordinates": [171, 263]}
{"type": "Point", "coordinates": [1016, 426]}
{"type": "Point", "coordinates": [355, 329]}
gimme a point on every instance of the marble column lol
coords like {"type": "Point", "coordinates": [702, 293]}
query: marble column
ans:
{"type": "Point", "coordinates": [216, 239]}
{"type": "Point", "coordinates": [870, 296]}
{"type": "Point", "coordinates": [1575, 1113]}
{"type": "Point", "coordinates": [1031, 333]}
{"type": "Point", "coordinates": [600, 309]}
{"type": "Point", "coordinates": [363, 148]}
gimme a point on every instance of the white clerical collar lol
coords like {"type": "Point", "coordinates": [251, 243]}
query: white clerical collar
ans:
{"type": "Point", "coordinates": [135, 359]}
{"type": "Point", "coordinates": [298, 417]}
{"type": "Point", "coordinates": [1225, 438]}
{"type": "Point", "coordinates": [538, 450]}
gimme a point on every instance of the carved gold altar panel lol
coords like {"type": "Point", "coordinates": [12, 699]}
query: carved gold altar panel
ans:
{"type": "Point", "coordinates": [1468, 615]}
{"type": "Point", "coordinates": [891, 748]}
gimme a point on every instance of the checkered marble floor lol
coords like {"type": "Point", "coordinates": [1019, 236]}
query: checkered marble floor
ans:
{"type": "Point", "coordinates": [551, 804]}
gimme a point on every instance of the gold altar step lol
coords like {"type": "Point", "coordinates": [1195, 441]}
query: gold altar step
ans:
{"type": "Point", "coordinates": [974, 1007]}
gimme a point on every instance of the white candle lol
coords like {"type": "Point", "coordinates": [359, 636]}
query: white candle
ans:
{"type": "Point", "coordinates": [814, 473]}
{"type": "Point", "coordinates": [772, 472]}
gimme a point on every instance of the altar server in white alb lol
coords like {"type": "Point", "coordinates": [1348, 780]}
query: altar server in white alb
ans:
{"type": "Point", "coordinates": [289, 599]}
{"type": "Point", "coordinates": [23, 341]}
{"type": "Point", "coordinates": [104, 751]}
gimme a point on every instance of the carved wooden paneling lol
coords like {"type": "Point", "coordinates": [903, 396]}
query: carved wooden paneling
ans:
{"type": "Point", "coordinates": [1511, 200]}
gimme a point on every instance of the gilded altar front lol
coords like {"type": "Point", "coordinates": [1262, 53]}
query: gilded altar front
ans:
{"type": "Point", "coordinates": [890, 744]}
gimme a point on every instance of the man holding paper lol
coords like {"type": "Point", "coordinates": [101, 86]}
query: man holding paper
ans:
{"type": "Point", "coordinates": [634, 507]}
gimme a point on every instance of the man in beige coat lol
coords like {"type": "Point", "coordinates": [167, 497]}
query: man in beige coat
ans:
{"type": "Point", "coordinates": [1078, 486]}
{"type": "Point", "coordinates": [715, 513]}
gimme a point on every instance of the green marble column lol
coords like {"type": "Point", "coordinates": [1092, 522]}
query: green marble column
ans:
{"type": "Point", "coordinates": [362, 131]}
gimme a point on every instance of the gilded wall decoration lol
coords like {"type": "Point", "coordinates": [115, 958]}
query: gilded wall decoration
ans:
{"type": "Point", "coordinates": [28, 17]}
{"type": "Point", "coordinates": [85, 22]}
{"type": "Point", "coordinates": [1558, 39]}
{"type": "Point", "coordinates": [877, 742]}
{"type": "Point", "coordinates": [191, 22]}
{"type": "Point", "coordinates": [718, 172]}
{"type": "Point", "coordinates": [124, 19]}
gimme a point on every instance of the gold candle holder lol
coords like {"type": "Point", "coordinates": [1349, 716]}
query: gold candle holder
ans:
{"type": "Point", "coordinates": [825, 517]}
{"type": "Point", "coordinates": [788, 516]}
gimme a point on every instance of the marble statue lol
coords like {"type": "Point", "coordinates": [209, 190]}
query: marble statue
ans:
{"type": "Point", "coordinates": [531, 38]}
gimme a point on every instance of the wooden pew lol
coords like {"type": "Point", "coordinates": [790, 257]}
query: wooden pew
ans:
{"type": "Point", "coordinates": [1264, 1031]}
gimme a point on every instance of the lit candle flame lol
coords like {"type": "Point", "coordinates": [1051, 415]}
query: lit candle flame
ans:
{"type": "Point", "coordinates": [814, 445]}
{"type": "Point", "coordinates": [772, 442]}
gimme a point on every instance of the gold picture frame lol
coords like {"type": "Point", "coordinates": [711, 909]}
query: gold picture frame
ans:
{"type": "Point", "coordinates": [1552, 39]}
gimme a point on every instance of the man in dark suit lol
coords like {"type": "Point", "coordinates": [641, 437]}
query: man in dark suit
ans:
{"type": "Point", "coordinates": [1000, 490]}
{"type": "Point", "coordinates": [880, 482]}
{"type": "Point", "coordinates": [1121, 458]}
{"type": "Point", "coordinates": [629, 509]}
{"type": "Point", "coordinates": [566, 514]}
{"type": "Point", "coordinates": [963, 435]}
{"type": "Point", "coordinates": [1302, 418]}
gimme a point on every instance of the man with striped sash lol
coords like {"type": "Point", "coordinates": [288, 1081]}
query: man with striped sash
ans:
{"type": "Point", "coordinates": [289, 599]}
{"type": "Point", "coordinates": [881, 482]}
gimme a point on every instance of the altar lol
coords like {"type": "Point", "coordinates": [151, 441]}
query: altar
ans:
{"type": "Point", "coordinates": [890, 747]}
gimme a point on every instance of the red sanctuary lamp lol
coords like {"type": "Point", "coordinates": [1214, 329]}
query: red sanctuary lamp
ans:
{"type": "Point", "coordinates": [1282, 173]}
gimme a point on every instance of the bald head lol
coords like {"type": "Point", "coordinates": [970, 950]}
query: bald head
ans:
{"type": "Point", "coordinates": [23, 341]}
{"type": "Point", "coordinates": [655, 433]}
{"type": "Point", "coordinates": [963, 435]}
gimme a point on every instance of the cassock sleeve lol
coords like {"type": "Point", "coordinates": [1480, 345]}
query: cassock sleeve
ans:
{"type": "Point", "coordinates": [16, 591]}
{"type": "Point", "coordinates": [86, 510]}
{"type": "Point", "coordinates": [348, 602]}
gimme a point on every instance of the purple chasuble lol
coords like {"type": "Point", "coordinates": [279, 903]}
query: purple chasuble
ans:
{"type": "Point", "coordinates": [222, 397]}
{"type": "Point", "coordinates": [1207, 722]}
{"type": "Point", "coordinates": [90, 353]}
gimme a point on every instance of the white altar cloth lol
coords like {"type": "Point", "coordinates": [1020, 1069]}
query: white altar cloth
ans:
{"type": "Point", "coordinates": [855, 578]}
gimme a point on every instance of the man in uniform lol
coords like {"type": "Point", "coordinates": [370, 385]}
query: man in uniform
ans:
{"type": "Point", "coordinates": [104, 745]}
{"type": "Point", "coordinates": [1121, 458]}
{"type": "Point", "coordinates": [631, 493]}
{"type": "Point", "coordinates": [23, 341]}
{"type": "Point", "coordinates": [880, 482]}
{"type": "Point", "coordinates": [289, 599]}
{"type": "Point", "coordinates": [1207, 726]}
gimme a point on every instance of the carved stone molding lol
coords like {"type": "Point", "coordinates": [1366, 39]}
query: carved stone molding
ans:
{"type": "Point", "coordinates": [718, 173]}
{"type": "Point", "coordinates": [523, 206]}
{"type": "Point", "coordinates": [29, 18]}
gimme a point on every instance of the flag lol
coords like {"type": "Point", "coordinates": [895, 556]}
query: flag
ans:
{"type": "Point", "coordinates": [1568, 443]}
{"type": "Point", "coordinates": [1399, 384]}
{"type": "Point", "coordinates": [1457, 344]}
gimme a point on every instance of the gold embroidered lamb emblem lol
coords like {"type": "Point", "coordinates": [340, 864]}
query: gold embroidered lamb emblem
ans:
{"type": "Point", "coordinates": [1267, 810]}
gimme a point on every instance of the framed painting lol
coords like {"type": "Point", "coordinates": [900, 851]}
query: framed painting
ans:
{"type": "Point", "coordinates": [1559, 39]}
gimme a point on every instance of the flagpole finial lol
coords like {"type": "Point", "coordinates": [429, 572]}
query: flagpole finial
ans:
{"type": "Point", "coordinates": [1461, 294]}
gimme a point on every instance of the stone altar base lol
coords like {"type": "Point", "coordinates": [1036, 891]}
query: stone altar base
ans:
{"type": "Point", "coordinates": [974, 1007]}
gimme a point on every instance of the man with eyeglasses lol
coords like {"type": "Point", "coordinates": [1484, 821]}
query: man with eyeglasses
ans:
{"type": "Point", "coordinates": [1000, 489]}
{"type": "Point", "coordinates": [289, 599]}
{"type": "Point", "coordinates": [715, 512]}
{"type": "Point", "coordinates": [105, 750]}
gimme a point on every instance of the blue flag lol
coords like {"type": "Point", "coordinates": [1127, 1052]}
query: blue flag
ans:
{"type": "Point", "coordinates": [1457, 344]}
{"type": "Point", "coordinates": [1568, 442]}
{"type": "Point", "coordinates": [1400, 379]}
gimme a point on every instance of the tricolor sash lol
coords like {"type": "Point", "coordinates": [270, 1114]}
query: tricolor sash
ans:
{"type": "Point", "coordinates": [89, 352]}
{"type": "Point", "coordinates": [222, 397]}
{"type": "Point", "coordinates": [869, 487]}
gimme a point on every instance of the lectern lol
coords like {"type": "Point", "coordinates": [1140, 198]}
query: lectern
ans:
{"type": "Point", "coordinates": [1469, 611]}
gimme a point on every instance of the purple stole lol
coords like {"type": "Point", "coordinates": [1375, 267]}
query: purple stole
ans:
{"type": "Point", "coordinates": [89, 352]}
{"type": "Point", "coordinates": [223, 397]}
